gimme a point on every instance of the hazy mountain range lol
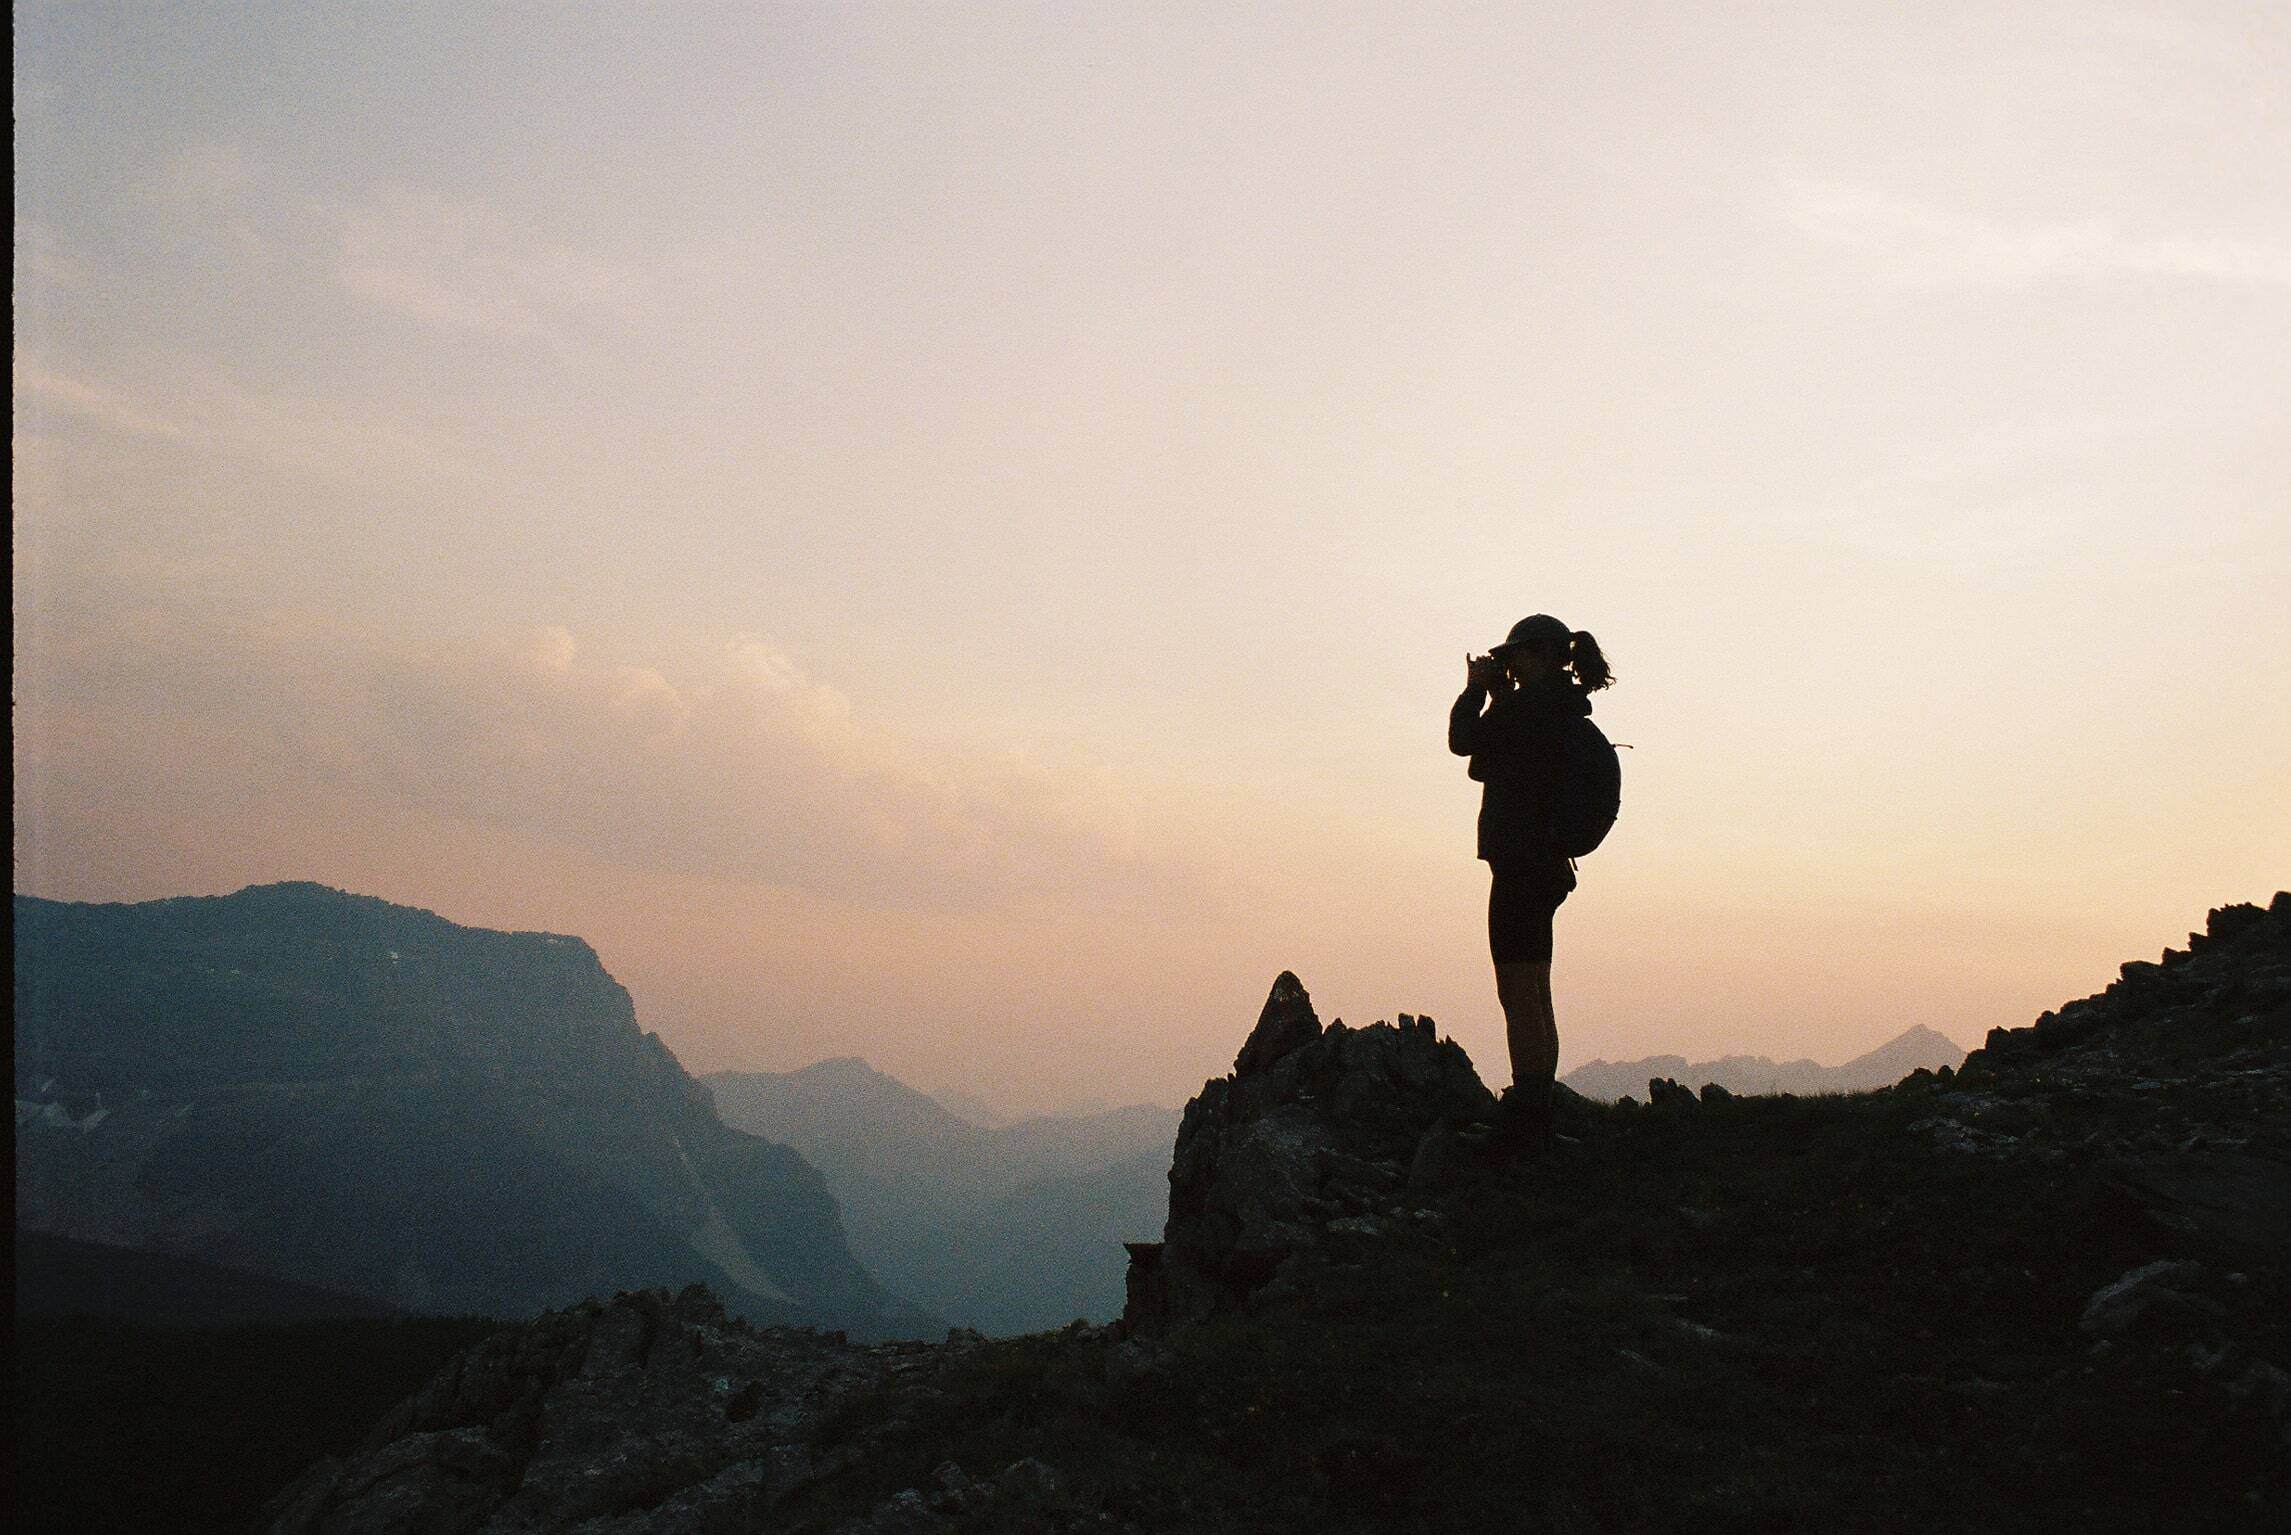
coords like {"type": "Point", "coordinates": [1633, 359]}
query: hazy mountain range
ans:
{"type": "Point", "coordinates": [332, 1090]}
{"type": "Point", "coordinates": [367, 1099]}
{"type": "Point", "coordinates": [1882, 1067]}
{"type": "Point", "coordinates": [964, 1104]}
{"type": "Point", "coordinates": [1007, 1228]}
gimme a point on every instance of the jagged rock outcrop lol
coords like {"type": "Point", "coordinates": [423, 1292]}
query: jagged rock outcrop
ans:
{"type": "Point", "coordinates": [645, 1413]}
{"type": "Point", "coordinates": [2175, 1081]}
{"type": "Point", "coordinates": [341, 1092]}
{"type": "Point", "coordinates": [1309, 1143]}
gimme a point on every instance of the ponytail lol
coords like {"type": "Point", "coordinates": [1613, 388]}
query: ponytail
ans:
{"type": "Point", "coordinates": [1591, 668]}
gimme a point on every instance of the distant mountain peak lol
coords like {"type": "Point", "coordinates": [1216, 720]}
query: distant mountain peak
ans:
{"type": "Point", "coordinates": [844, 1068]}
{"type": "Point", "coordinates": [1921, 1033]}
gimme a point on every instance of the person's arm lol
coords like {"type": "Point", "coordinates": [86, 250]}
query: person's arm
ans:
{"type": "Point", "coordinates": [1464, 719]}
{"type": "Point", "coordinates": [1482, 676]}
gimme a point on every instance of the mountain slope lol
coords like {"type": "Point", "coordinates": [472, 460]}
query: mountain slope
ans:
{"type": "Point", "coordinates": [1005, 1229]}
{"type": "Point", "coordinates": [971, 1107]}
{"type": "Point", "coordinates": [1916, 1047]}
{"type": "Point", "coordinates": [365, 1097]}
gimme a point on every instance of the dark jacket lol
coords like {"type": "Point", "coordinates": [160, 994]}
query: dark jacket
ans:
{"type": "Point", "coordinates": [1515, 753]}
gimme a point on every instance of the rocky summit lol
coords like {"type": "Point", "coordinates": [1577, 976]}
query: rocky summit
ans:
{"type": "Point", "coordinates": [2051, 1290]}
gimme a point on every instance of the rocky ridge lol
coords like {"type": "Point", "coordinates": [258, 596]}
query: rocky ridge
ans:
{"type": "Point", "coordinates": [2175, 1082]}
{"type": "Point", "coordinates": [2027, 1288]}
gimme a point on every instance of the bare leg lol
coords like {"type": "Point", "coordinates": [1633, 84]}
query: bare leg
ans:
{"type": "Point", "coordinates": [1524, 988]}
{"type": "Point", "coordinates": [1548, 1061]}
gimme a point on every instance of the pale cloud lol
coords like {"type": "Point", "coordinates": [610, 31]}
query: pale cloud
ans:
{"type": "Point", "coordinates": [458, 265]}
{"type": "Point", "coordinates": [731, 764]}
{"type": "Point", "coordinates": [549, 649]}
{"type": "Point", "coordinates": [2183, 37]}
{"type": "Point", "coordinates": [42, 261]}
{"type": "Point", "coordinates": [211, 412]}
{"type": "Point", "coordinates": [208, 174]}
{"type": "Point", "coordinates": [1922, 243]}
{"type": "Point", "coordinates": [91, 402]}
{"type": "Point", "coordinates": [219, 189]}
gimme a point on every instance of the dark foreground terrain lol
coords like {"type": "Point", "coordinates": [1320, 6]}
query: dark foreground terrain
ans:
{"type": "Point", "coordinates": [2048, 1291]}
{"type": "Point", "coordinates": [124, 1425]}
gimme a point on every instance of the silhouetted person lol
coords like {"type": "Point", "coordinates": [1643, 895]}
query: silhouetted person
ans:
{"type": "Point", "coordinates": [1542, 674]}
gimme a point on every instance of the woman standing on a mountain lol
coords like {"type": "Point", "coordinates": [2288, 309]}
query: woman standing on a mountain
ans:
{"type": "Point", "coordinates": [1534, 683]}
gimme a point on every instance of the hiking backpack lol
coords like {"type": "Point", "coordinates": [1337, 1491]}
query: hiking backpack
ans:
{"type": "Point", "coordinates": [1589, 790]}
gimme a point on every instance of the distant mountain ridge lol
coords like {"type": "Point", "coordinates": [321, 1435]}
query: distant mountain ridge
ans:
{"type": "Point", "coordinates": [1006, 1228]}
{"type": "Point", "coordinates": [1915, 1048]}
{"type": "Point", "coordinates": [334, 1090]}
{"type": "Point", "coordinates": [969, 1105]}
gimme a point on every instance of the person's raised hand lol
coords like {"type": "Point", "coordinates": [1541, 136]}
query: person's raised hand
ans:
{"type": "Point", "coordinates": [1483, 671]}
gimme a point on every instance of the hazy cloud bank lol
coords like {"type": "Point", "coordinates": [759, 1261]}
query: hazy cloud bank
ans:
{"type": "Point", "coordinates": [737, 767]}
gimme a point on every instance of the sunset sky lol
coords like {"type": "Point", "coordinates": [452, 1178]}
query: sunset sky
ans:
{"type": "Point", "coordinates": [948, 533]}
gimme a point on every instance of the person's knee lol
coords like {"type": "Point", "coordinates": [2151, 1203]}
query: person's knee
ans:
{"type": "Point", "coordinates": [1523, 982]}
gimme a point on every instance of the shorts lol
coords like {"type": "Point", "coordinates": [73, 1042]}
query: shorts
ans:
{"type": "Point", "coordinates": [1521, 900]}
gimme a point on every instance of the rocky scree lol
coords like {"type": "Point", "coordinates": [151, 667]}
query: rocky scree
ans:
{"type": "Point", "coordinates": [649, 1412]}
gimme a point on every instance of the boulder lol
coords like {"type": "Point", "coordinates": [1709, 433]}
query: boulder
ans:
{"type": "Point", "coordinates": [2232, 1200]}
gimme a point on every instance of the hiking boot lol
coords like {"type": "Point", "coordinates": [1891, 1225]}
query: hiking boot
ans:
{"type": "Point", "coordinates": [1523, 1123]}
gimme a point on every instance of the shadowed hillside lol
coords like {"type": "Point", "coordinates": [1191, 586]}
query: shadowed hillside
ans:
{"type": "Point", "coordinates": [2050, 1290]}
{"type": "Point", "coordinates": [332, 1090]}
{"type": "Point", "coordinates": [124, 1425]}
{"type": "Point", "coordinates": [60, 1277]}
